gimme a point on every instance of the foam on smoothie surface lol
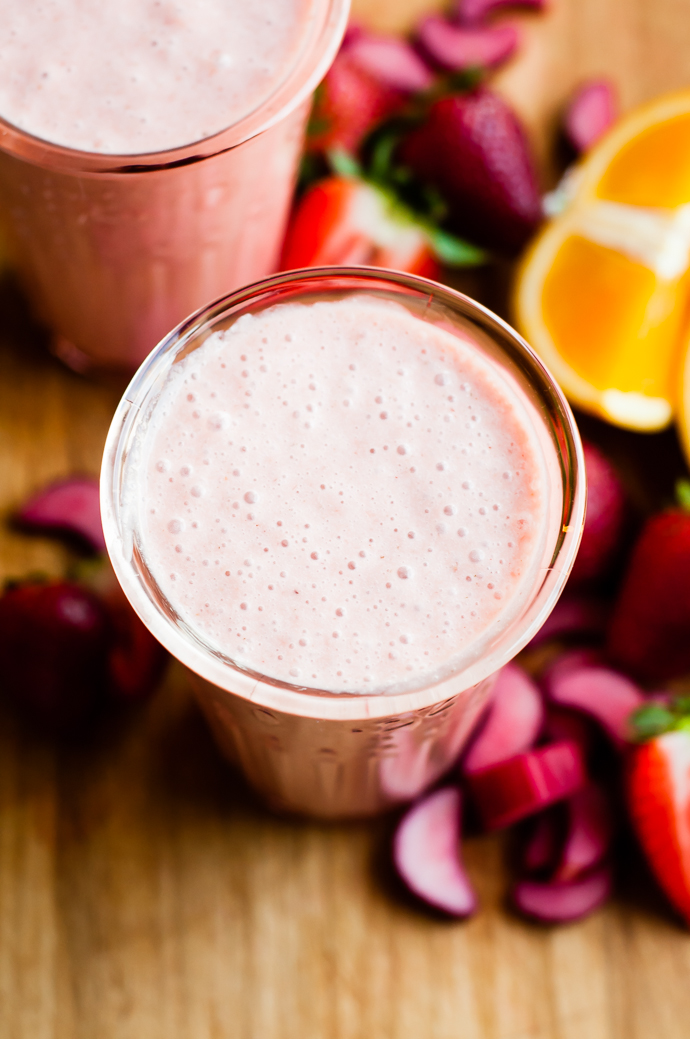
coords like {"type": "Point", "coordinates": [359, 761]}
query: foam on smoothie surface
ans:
{"type": "Point", "coordinates": [343, 496]}
{"type": "Point", "coordinates": [137, 76]}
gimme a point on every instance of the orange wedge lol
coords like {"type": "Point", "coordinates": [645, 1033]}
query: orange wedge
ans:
{"type": "Point", "coordinates": [602, 294]}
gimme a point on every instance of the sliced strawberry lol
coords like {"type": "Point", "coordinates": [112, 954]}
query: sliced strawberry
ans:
{"type": "Point", "coordinates": [53, 647]}
{"type": "Point", "coordinates": [650, 628]}
{"type": "Point", "coordinates": [658, 788]}
{"type": "Point", "coordinates": [457, 48]}
{"type": "Point", "coordinates": [527, 783]}
{"type": "Point", "coordinates": [513, 723]}
{"type": "Point", "coordinates": [426, 852]}
{"type": "Point", "coordinates": [71, 506]}
{"type": "Point", "coordinates": [473, 150]}
{"type": "Point", "coordinates": [472, 12]}
{"type": "Point", "coordinates": [342, 221]}
{"type": "Point", "coordinates": [592, 111]}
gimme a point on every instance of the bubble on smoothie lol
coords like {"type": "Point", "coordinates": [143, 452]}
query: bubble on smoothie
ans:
{"type": "Point", "coordinates": [476, 555]}
{"type": "Point", "coordinates": [197, 491]}
{"type": "Point", "coordinates": [449, 510]}
{"type": "Point", "coordinates": [251, 497]}
{"type": "Point", "coordinates": [402, 449]}
{"type": "Point", "coordinates": [176, 526]}
{"type": "Point", "coordinates": [404, 572]}
{"type": "Point", "coordinates": [462, 532]}
{"type": "Point", "coordinates": [219, 420]}
{"type": "Point", "coordinates": [163, 465]}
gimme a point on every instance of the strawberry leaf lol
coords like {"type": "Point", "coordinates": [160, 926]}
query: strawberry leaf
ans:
{"type": "Point", "coordinates": [683, 494]}
{"type": "Point", "coordinates": [651, 720]}
{"type": "Point", "coordinates": [454, 251]}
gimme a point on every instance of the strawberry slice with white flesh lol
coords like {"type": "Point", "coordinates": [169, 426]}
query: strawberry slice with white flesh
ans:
{"type": "Point", "coordinates": [426, 852]}
{"type": "Point", "coordinates": [658, 789]}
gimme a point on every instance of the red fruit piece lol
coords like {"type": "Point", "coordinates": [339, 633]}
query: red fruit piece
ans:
{"type": "Point", "coordinates": [53, 646]}
{"type": "Point", "coordinates": [473, 150]}
{"type": "Point", "coordinates": [514, 721]}
{"type": "Point", "coordinates": [426, 852]}
{"type": "Point", "coordinates": [71, 506]}
{"type": "Point", "coordinates": [471, 12]}
{"type": "Point", "coordinates": [136, 660]}
{"type": "Point", "coordinates": [349, 102]}
{"type": "Point", "coordinates": [527, 783]}
{"type": "Point", "coordinates": [592, 110]}
{"type": "Point", "coordinates": [604, 520]}
{"type": "Point", "coordinates": [573, 615]}
{"type": "Point", "coordinates": [650, 628]}
{"type": "Point", "coordinates": [559, 903]}
{"type": "Point", "coordinates": [605, 695]}
{"type": "Point", "coordinates": [542, 848]}
{"type": "Point", "coordinates": [658, 788]}
{"type": "Point", "coordinates": [562, 724]}
{"type": "Point", "coordinates": [341, 221]}
{"type": "Point", "coordinates": [455, 48]}
{"type": "Point", "coordinates": [391, 61]}
{"type": "Point", "coordinates": [589, 833]}
{"type": "Point", "coordinates": [572, 660]}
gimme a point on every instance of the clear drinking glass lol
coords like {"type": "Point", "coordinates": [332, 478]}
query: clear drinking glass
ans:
{"type": "Point", "coordinates": [307, 751]}
{"type": "Point", "coordinates": [114, 250]}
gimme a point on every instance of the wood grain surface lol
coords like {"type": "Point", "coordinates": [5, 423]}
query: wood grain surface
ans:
{"type": "Point", "coordinates": [145, 894]}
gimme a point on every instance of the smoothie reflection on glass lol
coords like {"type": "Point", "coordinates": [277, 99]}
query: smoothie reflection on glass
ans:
{"type": "Point", "coordinates": [343, 498]}
{"type": "Point", "coordinates": [148, 152]}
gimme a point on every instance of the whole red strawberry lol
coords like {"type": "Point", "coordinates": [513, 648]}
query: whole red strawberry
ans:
{"type": "Point", "coordinates": [473, 150]}
{"type": "Point", "coordinates": [53, 645]}
{"type": "Point", "coordinates": [650, 629]}
{"type": "Point", "coordinates": [658, 794]}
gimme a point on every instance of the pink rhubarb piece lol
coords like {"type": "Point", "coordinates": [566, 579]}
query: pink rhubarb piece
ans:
{"type": "Point", "coordinates": [603, 694]}
{"type": "Point", "coordinates": [558, 903]}
{"type": "Point", "coordinates": [457, 48]}
{"type": "Point", "coordinates": [591, 112]}
{"type": "Point", "coordinates": [514, 721]}
{"type": "Point", "coordinates": [72, 506]}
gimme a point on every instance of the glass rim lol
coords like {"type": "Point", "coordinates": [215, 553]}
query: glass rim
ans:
{"type": "Point", "coordinates": [268, 693]}
{"type": "Point", "coordinates": [308, 71]}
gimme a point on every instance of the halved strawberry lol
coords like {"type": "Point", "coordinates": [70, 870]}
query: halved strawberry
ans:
{"type": "Point", "coordinates": [658, 788]}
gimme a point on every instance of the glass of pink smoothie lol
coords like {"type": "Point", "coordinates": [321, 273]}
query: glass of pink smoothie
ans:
{"type": "Point", "coordinates": [148, 153]}
{"type": "Point", "coordinates": [343, 498]}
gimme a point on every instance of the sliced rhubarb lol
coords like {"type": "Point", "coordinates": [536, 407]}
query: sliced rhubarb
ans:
{"type": "Point", "coordinates": [543, 844]}
{"type": "Point", "coordinates": [527, 783]}
{"type": "Point", "coordinates": [589, 833]}
{"type": "Point", "coordinates": [564, 724]}
{"type": "Point", "coordinates": [71, 506]}
{"type": "Point", "coordinates": [605, 519]}
{"type": "Point", "coordinates": [559, 903]}
{"type": "Point", "coordinates": [473, 12]}
{"type": "Point", "coordinates": [573, 615]}
{"type": "Point", "coordinates": [605, 695]}
{"type": "Point", "coordinates": [426, 852]}
{"type": "Point", "coordinates": [456, 48]}
{"type": "Point", "coordinates": [513, 723]}
{"type": "Point", "coordinates": [391, 61]}
{"type": "Point", "coordinates": [591, 112]}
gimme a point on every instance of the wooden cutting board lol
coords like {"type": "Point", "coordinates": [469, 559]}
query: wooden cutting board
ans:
{"type": "Point", "coordinates": [145, 894]}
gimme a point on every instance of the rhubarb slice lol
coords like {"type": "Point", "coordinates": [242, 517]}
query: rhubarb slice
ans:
{"type": "Point", "coordinates": [391, 61]}
{"type": "Point", "coordinates": [527, 783]}
{"type": "Point", "coordinates": [514, 721]}
{"type": "Point", "coordinates": [426, 852]}
{"type": "Point", "coordinates": [70, 506]}
{"type": "Point", "coordinates": [603, 694]}
{"type": "Point", "coordinates": [588, 838]}
{"type": "Point", "coordinates": [455, 48]}
{"type": "Point", "coordinates": [473, 12]}
{"type": "Point", "coordinates": [559, 903]}
{"type": "Point", "coordinates": [591, 112]}
{"type": "Point", "coordinates": [543, 845]}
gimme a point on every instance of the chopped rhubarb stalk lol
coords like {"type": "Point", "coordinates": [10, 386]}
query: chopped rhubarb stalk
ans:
{"type": "Point", "coordinates": [591, 112]}
{"type": "Point", "coordinates": [527, 783]}
{"type": "Point", "coordinates": [573, 615]}
{"type": "Point", "coordinates": [559, 903]}
{"type": "Point", "coordinates": [514, 721]}
{"type": "Point", "coordinates": [603, 694]}
{"type": "Point", "coordinates": [391, 61]}
{"type": "Point", "coordinates": [71, 506]}
{"type": "Point", "coordinates": [456, 48]}
{"type": "Point", "coordinates": [564, 724]}
{"type": "Point", "coordinates": [426, 852]}
{"type": "Point", "coordinates": [542, 847]}
{"type": "Point", "coordinates": [473, 12]}
{"type": "Point", "coordinates": [590, 829]}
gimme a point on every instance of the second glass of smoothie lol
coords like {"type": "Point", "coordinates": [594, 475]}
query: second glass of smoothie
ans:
{"type": "Point", "coordinates": [343, 499]}
{"type": "Point", "coordinates": [148, 154]}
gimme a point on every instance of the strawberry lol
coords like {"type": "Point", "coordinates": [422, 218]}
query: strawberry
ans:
{"type": "Point", "coordinates": [473, 150]}
{"type": "Point", "coordinates": [650, 628]}
{"type": "Point", "coordinates": [658, 791]}
{"type": "Point", "coordinates": [345, 221]}
{"type": "Point", "coordinates": [53, 644]}
{"type": "Point", "coordinates": [136, 660]}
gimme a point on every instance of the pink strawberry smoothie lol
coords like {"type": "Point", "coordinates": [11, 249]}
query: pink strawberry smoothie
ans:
{"type": "Point", "coordinates": [341, 496]}
{"type": "Point", "coordinates": [142, 76]}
